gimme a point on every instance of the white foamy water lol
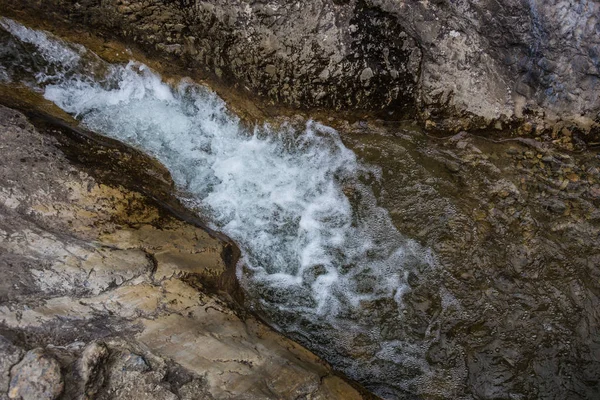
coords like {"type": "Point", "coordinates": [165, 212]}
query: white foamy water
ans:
{"type": "Point", "coordinates": [315, 245]}
{"type": "Point", "coordinates": [279, 194]}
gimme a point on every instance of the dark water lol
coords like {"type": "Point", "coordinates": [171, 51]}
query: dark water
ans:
{"type": "Point", "coordinates": [515, 226]}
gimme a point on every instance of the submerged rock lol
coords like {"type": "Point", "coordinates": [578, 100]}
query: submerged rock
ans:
{"type": "Point", "coordinates": [511, 312]}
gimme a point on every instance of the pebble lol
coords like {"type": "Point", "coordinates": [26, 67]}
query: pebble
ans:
{"type": "Point", "coordinates": [548, 159]}
{"type": "Point", "coordinates": [564, 184]}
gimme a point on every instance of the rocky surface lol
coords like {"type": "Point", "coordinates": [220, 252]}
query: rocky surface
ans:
{"type": "Point", "coordinates": [106, 295]}
{"type": "Point", "coordinates": [512, 309]}
{"type": "Point", "coordinates": [511, 312]}
{"type": "Point", "coordinates": [455, 64]}
{"type": "Point", "coordinates": [36, 376]}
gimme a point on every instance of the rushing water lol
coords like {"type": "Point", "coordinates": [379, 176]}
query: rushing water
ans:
{"type": "Point", "coordinates": [510, 309]}
{"type": "Point", "coordinates": [321, 260]}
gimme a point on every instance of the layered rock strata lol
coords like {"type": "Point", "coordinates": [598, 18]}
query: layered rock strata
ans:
{"type": "Point", "coordinates": [106, 295]}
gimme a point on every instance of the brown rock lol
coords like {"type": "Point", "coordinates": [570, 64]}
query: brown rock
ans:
{"type": "Point", "coordinates": [452, 166]}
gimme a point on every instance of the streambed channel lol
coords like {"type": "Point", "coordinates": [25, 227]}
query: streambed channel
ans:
{"type": "Point", "coordinates": [460, 267]}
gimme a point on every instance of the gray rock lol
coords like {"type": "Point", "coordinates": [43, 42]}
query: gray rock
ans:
{"type": "Point", "coordinates": [366, 74]}
{"type": "Point", "coordinates": [10, 355]}
{"type": "Point", "coordinates": [36, 377]}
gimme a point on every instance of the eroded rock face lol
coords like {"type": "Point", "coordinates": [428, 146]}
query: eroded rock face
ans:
{"type": "Point", "coordinates": [310, 54]}
{"type": "Point", "coordinates": [500, 60]}
{"type": "Point", "coordinates": [112, 289]}
{"type": "Point", "coordinates": [458, 64]}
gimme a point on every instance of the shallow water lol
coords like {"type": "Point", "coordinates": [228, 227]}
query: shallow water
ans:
{"type": "Point", "coordinates": [421, 267]}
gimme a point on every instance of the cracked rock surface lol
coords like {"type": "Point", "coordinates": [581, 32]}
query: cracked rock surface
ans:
{"type": "Point", "coordinates": [104, 295]}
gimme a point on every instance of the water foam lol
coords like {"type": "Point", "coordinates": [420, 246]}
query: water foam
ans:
{"type": "Point", "coordinates": [317, 250]}
{"type": "Point", "coordinates": [278, 193]}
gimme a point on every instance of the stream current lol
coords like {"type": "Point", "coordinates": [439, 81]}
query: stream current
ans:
{"type": "Point", "coordinates": [318, 251]}
{"type": "Point", "coordinates": [451, 268]}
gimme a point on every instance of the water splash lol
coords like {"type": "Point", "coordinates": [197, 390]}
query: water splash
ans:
{"type": "Point", "coordinates": [318, 253]}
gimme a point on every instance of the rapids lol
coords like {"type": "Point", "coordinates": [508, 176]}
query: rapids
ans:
{"type": "Point", "coordinates": [460, 267]}
{"type": "Point", "coordinates": [318, 251]}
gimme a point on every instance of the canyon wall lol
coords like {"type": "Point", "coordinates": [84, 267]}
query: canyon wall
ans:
{"type": "Point", "coordinates": [452, 64]}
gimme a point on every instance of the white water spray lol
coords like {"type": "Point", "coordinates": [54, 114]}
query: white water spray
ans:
{"type": "Point", "coordinates": [316, 245]}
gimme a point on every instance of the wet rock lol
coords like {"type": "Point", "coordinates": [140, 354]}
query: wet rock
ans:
{"type": "Point", "coordinates": [366, 75]}
{"type": "Point", "coordinates": [463, 62]}
{"type": "Point", "coordinates": [556, 206]}
{"type": "Point", "coordinates": [128, 300]}
{"type": "Point", "coordinates": [36, 377]}
{"type": "Point", "coordinates": [452, 166]}
{"type": "Point", "coordinates": [520, 303]}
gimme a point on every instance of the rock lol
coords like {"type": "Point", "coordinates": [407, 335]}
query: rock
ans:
{"type": "Point", "coordinates": [548, 159]}
{"type": "Point", "coordinates": [564, 184]}
{"type": "Point", "coordinates": [366, 74]}
{"type": "Point", "coordinates": [573, 177]}
{"type": "Point", "coordinates": [130, 377]}
{"type": "Point", "coordinates": [557, 206]}
{"type": "Point", "coordinates": [36, 377]}
{"type": "Point", "coordinates": [10, 355]}
{"type": "Point", "coordinates": [91, 364]}
{"type": "Point", "coordinates": [271, 69]}
{"type": "Point", "coordinates": [449, 59]}
{"type": "Point", "coordinates": [544, 307]}
{"type": "Point", "coordinates": [452, 166]}
{"type": "Point", "coordinates": [334, 387]}
{"type": "Point", "coordinates": [508, 237]}
{"type": "Point", "coordinates": [429, 124]}
{"type": "Point", "coordinates": [121, 292]}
